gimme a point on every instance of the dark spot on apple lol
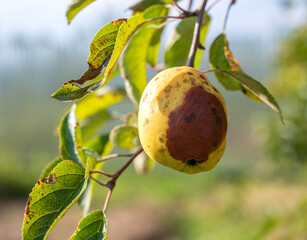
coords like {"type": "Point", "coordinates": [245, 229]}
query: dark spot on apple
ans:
{"type": "Point", "coordinates": [213, 110]}
{"type": "Point", "coordinates": [146, 121]}
{"type": "Point", "coordinates": [201, 76]}
{"type": "Point", "coordinates": [190, 118]}
{"type": "Point", "coordinates": [192, 162]}
{"type": "Point", "coordinates": [168, 89]}
{"type": "Point", "coordinates": [195, 129]}
{"type": "Point", "coordinates": [215, 89]}
{"type": "Point", "coordinates": [189, 73]}
{"type": "Point", "coordinates": [161, 140]}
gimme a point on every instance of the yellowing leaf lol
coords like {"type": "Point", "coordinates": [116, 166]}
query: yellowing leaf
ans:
{"type": "Point", "coordinates": [76, 6]}
{"type": "Point", "coordinates": [133, 60]}
{"type": "Point", "coordinates": [124, 136]}
{"type": "Point", "coordinates": [98, 101]}
{"type": "Point", "coordinates": [125, 32]}
{"type": "Point", "coordinates": [70, 92]}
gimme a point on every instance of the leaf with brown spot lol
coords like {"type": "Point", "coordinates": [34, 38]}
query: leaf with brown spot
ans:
{"type": "Point", "coordinates": [222, 58]}
{"type": "Point", "coordinates": [70, 92]}
{"type": "Point", "coordinates": [125, 32]}
{"type": "Point", "coordinates": [47, 203]}
{"type": "Point", "coordinates": [133, 60]}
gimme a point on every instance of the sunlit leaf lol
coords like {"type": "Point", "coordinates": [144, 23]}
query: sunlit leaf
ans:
{"type": "Point", "coordinates": [101, 49]}
{"type": "Point", "coordinates": [154, 45]}
{"type": "Point", "coordinates": [141, 5]}
{"type": "Point", "coordinates": [70, 137]}
{"type": "Point", "coordinates": [93, 226]}
{"type": "Point", "coordinates": [70, 91]}
{"type": "Point", "coordinates": [126, 30]}
{"type": "Point", "coordinates": [255, 88]}
{"type": "Point", "coordinates": [133, 61]}
{"type": "Point", "coordinates": [92, 125]}
{"type": "Point", "coordinates": [222, 58]}
{"type": "Point", "coordinates": [103, 43]}
{"type": "Point", "coordinates": [124, 136]}
{"type": "Point", "coordinates": [46, 172]}
{"type": "Point", "coordinates": [76, 6]}
{"type": "Point", "coordinates": [178, 46]}
{"type": "Point", "coordinates": [52, 197]}
{"type": "Point", "coordinates": [85, 199]}
{"type": "Point", "coordinates": [98, 144]}
{"type": "Point", "coordinates": [99, 101]}
{"type": "Point", "coordinates": [143, 164]}
{"type": "Point", "coordinates": [218, 60]}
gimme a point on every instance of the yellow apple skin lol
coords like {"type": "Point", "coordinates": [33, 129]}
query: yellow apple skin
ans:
{"type": "Point", "coordinates": [182, 120]}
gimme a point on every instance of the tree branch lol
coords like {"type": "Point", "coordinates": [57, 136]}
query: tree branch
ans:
{"type": "Point", "coordinates": [111, 184]}
{"type": "Point", "coordinates": [195, 42]}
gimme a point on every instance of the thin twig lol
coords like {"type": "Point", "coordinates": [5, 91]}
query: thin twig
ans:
{"type": "Point", "coordinates": [195, 42]}
{"type": "Point", "coordinates": [178, 7]}
{"type": "Point", "coordinates": [111, 156]}
{"type": "Point", "coordinates": [227, 14]}
{"type": "Point", "coordinates": [106, 203]}
{"type": "Point", "coordinates": [122, 169]}
{"type": "Point", "coordinates": [190, 5]}
{"type": "Point", "coordinates": [97, 181]}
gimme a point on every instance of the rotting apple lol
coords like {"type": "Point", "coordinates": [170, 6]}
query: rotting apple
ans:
{"type": "Point", "coordinates": [182, 120]}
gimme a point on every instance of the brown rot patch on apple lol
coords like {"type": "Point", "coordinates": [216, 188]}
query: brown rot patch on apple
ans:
{"type": "Point", "coordinates": [197, 127]}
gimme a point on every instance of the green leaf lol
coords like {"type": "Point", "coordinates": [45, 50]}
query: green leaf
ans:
{"type": "Point", "coordinates": [46, 172]}
{"type": "Point", "coordinates": [98, 144]}
{"type": "Point", "coordinates": [93, 226]}
{"type": "Point", "coordinates": [125, 32]}
{"type": "Point", "coordinates": [85, 199]}
{"type": "Point", "coordinates": [70, 137]}
{"type": "Point", "coordinates": [76, 6]}
{"type": "Point", "coordinates": [91, 126]}
{"type": "Point", "coordinates": [124, 136]}
{"type": "Point", "coordinates": [143, 164]}
{"type": "Point", "coordinates": [255, 88]}
{"type": "Point", "coordinates": [71, 92]}
{"type": "Point", "coordinates": [133, 61]}
{"type": "Point", "coordinates": [178, 46]}
{"type": "Point", "coordinates": [96, 102]}
{"type": "Point", "coordinates": [218, 60]}
{"type": "Point", "coordinates": [154, 45]}
{"type": "Point", "coordinates": [141, 5]}
{"type": "Point", "coordinates": [222, 58]}
{"type": "Point", "coordinates": [52, 197]}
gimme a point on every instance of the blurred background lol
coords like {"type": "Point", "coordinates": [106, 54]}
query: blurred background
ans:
{"type": "Point", "coordinates": [257, 191]}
